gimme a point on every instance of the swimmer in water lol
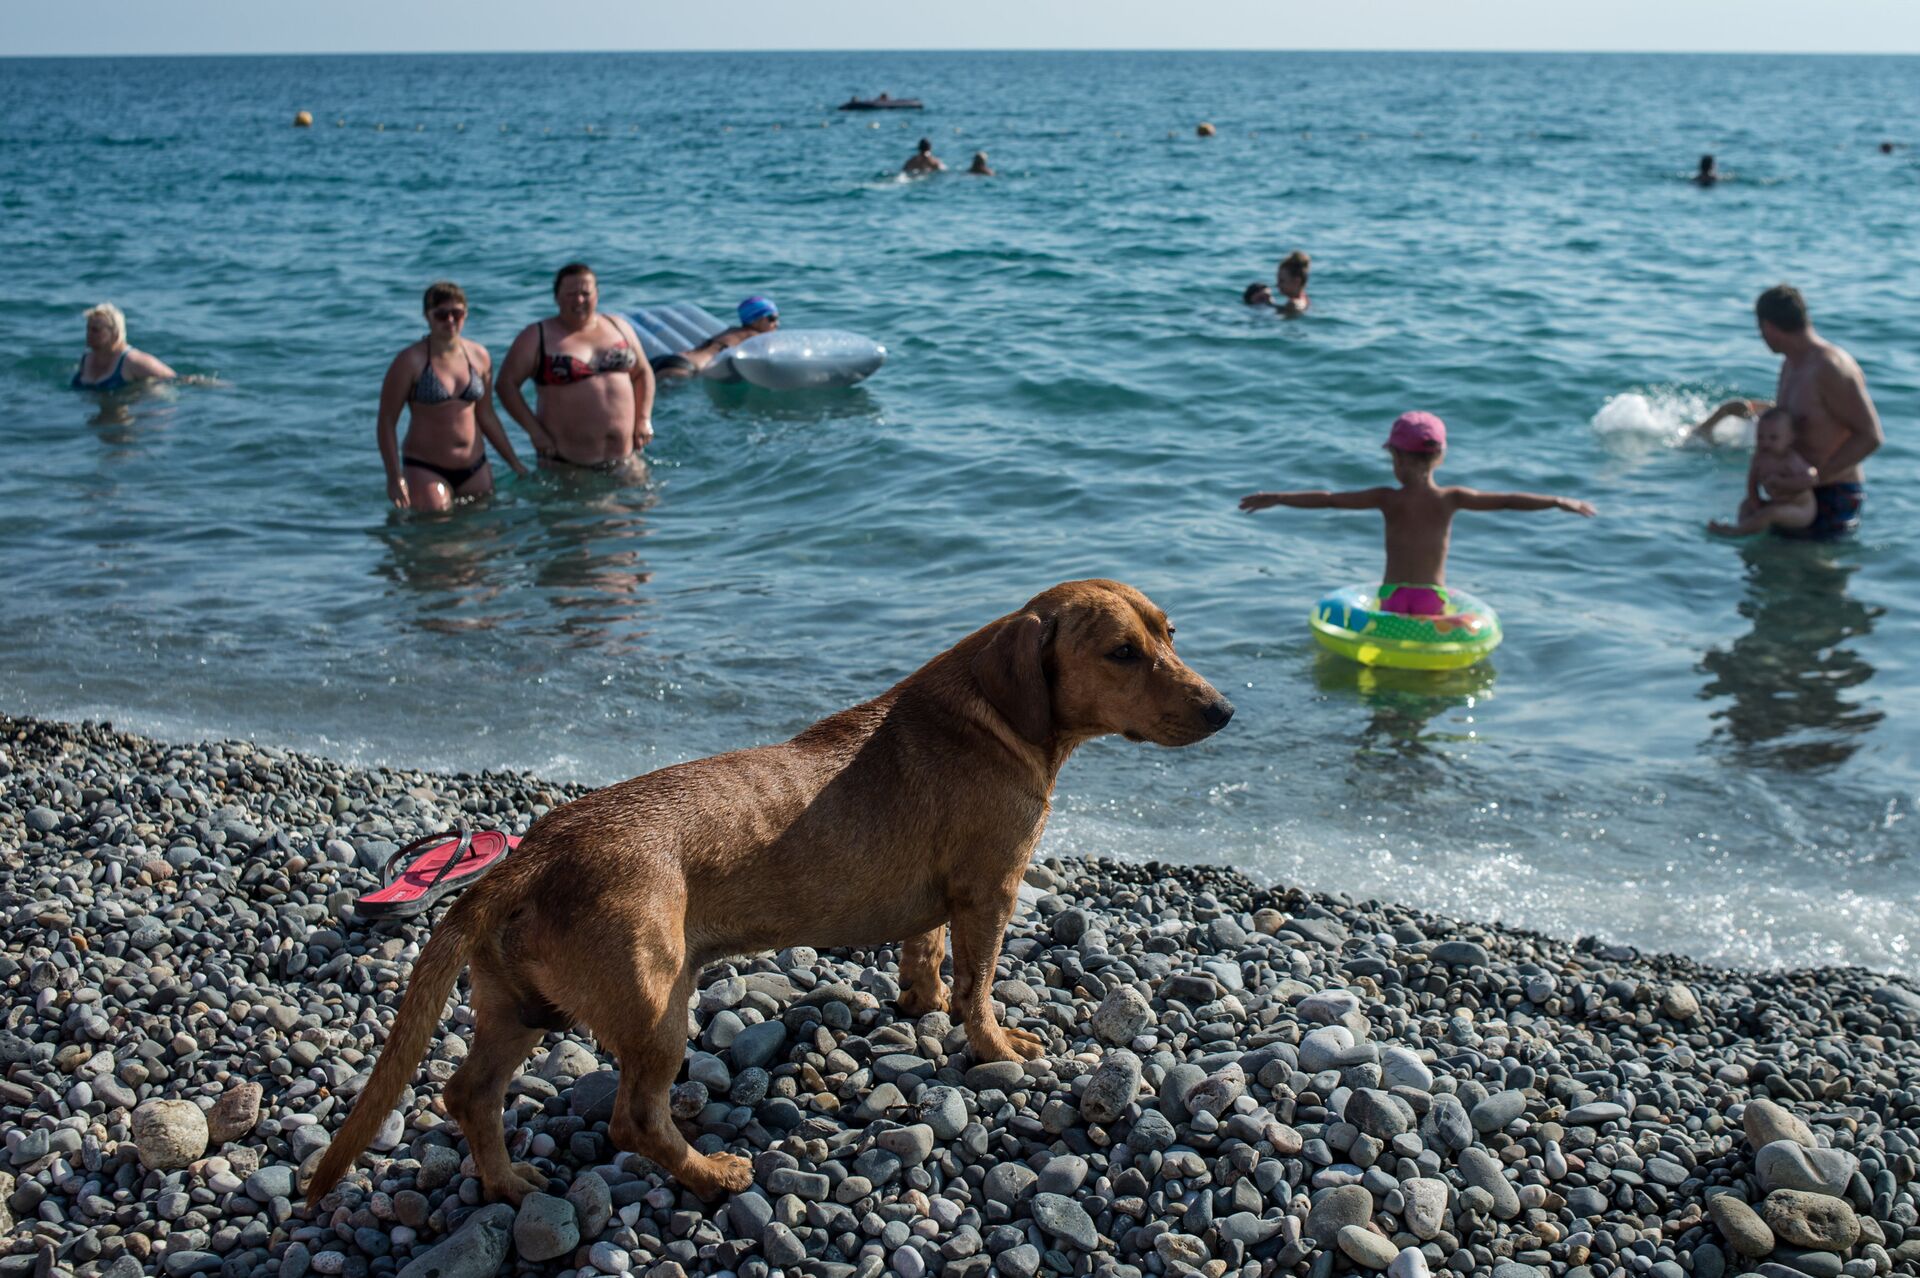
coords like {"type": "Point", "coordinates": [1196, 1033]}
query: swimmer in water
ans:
{"type": "Point", "coordinates": [1708, 174]}
{"type": "Point", "coordinates": [1258, 294]}
{"type": "Point", "coordinates": [1290, 280]}
{"type": "Point", "coordinates": [110, 364]}
{"type": "Point", "coordinates": [1779, 482]}
{"type": "Point", "coordinates": [757, 315]}
{"type": "Point", "coordinates": [923, 161]}
{"type": "Point", "coordinates": [1418, 514]}
{"type": "Point", "coordinates": [979, 166]}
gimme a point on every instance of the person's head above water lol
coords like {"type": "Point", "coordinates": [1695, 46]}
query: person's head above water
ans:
{"type": "Point", "coordinates": [1257, 294]}
{"type": "Point", "coordinates": [1706, 165]}
{"type": "Point", "coordinates": [576, 292]}
{"type": "Point", "coordinates": [760, 314]}
{"type": "Point", "coordinates": [926, 146]}
{"type": "Point", "coordinates": [1290, 277]}
{"type": "Point", "coordinates": [106, 327]}
{"type": "Point", "coordinates": [1782, 316]}
{"type": "Point", "coordinates": [1417, 441]}
{"type": "Point", "coordinates": [1773, 431]}
{"type": "Point", "coordinates": [980, 164]}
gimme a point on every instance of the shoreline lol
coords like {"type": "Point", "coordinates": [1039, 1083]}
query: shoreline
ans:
{"type": "Point", "coordinates": [1235, 1069]}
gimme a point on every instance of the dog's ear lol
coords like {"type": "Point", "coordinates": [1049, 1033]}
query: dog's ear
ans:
{"type": "Point", "coordinates": [1012, 675]}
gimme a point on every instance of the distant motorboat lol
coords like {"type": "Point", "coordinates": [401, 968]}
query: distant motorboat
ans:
{"type": "Point", "coordinates": [883, 103]}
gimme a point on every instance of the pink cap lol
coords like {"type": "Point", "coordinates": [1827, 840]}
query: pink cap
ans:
{"type": "Point", "coordinates": [1418, 433]}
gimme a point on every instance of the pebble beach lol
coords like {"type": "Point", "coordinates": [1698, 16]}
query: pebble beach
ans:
{"type": "Point", "coordinates": [1242, 1078]}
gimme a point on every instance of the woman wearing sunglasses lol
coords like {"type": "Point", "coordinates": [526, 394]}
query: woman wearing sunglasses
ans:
{"type": "Point", "coordinates": [441, 380]}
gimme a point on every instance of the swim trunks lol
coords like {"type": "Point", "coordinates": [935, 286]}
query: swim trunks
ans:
{"type": "Point", "coordinates": [1414, 600]}
{"type": "Point", "coordinates": [1836, 514]}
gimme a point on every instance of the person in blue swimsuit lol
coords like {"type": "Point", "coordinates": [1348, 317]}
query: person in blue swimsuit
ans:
{"type": "Point", "coordinates": [110, 364]}
{"type": "Point", "coordinates": [441, 380]}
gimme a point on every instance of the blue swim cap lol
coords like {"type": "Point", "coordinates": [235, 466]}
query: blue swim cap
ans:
{"type": "Point", "coordinates": [757, 308]}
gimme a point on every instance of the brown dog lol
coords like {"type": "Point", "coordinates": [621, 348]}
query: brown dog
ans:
{"type": "Point", "coordinates": [894, 819]}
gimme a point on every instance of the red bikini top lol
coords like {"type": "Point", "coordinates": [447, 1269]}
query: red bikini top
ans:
{"type": "Point", "coordinates": [563, 370]}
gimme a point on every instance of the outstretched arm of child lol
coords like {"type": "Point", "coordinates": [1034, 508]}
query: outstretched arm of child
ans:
{"type": "Point", "coordinates": [1732, 408]}
{"type": "Point", "coordinates": [1473, 499]}
{"type": "Point", "coordinates": [1363, 499]}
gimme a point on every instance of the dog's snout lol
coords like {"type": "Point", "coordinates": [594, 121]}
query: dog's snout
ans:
{"type": "Point", "coordinates": [1217, 712]}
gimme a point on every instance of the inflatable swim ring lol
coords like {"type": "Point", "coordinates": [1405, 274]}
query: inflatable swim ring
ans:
{"type": "Point", "coordinates": [1349, 622]}
{"type": "Point", "coordinates": [785, 359]}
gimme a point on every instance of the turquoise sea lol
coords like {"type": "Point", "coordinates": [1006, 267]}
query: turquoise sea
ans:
{"type": "Point", "coordinates": [1684, 744]}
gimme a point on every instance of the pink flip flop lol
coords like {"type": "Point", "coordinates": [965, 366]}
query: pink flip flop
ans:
{"type": "Point", "coordinates": [451, 860]}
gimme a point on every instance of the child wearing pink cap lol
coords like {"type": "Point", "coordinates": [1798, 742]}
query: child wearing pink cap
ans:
{"type": "Point", "coordinates": [1419, 514]}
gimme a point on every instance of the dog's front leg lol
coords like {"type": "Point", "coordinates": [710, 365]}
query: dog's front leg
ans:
{"type": "Point", "coordinates": [978, 927]}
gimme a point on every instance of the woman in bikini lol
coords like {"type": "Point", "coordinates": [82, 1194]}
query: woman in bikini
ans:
{"type": "Point", "coordinates": [595, 391]}
{"type": "Point", "coordinates": [441, 380]}
{"type": "Point", "coordinates": [110, 364]}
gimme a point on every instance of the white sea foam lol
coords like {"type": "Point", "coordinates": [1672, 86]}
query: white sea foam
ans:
{"type": "Point", "coordinates": [1635, 423]}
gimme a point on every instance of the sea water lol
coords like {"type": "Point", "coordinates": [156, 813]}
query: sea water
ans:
{"type": "Point", "coordinates": [1684, 743]}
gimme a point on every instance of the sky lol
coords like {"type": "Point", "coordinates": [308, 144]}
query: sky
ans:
{"type": "Point", "coordinates": [379, 26]}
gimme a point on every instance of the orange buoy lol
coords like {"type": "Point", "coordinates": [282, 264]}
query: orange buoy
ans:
{"type": "Point", "coordinates": [1205, 130]}
{"type": "Point", "coordinates": [304, 120]}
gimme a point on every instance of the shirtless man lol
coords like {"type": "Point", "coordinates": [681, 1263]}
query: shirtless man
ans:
{"type": "Point", "coordinates": [1834, 423]}
{"type": "Point", "coordinates": [923, 161]}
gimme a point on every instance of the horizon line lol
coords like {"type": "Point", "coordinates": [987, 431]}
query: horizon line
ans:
{"type": "Point", "coordinates": [1329, 49]}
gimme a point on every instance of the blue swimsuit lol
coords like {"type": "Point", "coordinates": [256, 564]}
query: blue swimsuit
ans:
{"type": "Point", "coordinates": [114, 380]}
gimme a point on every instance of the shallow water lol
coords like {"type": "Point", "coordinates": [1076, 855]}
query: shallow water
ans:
{"type": "Point", "coordinates": [1683, 744]}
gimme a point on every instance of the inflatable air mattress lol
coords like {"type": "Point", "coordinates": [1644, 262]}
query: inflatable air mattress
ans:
{"type": "Point", "coordinates": [785, 359]}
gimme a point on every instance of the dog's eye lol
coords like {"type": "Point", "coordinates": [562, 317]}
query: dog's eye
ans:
{"type": "Point", "coordinates": [1125, 652]}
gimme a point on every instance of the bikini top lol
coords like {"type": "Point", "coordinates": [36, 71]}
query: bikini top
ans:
{"type": "Point", "coordinates": [114, 380]}
{"type": "Point", "coordinates": [560, 370]}
{"type": "Point", "coordinates": [429, 389]}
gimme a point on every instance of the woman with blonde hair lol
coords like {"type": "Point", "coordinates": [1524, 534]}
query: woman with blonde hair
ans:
{"type": "Point", "coordinates": [441, 380]}
{"type": "Point", "coordinates": [110, 364]}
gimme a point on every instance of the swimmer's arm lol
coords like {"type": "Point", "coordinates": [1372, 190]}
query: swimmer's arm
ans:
{"type": "Point", "coordinates": [142, 365]}
{"type": "Point", "coordinates": [515, 369]}
{"type": "Point", "coordinates": [1844, 391]}
{"type": "Point", "coordinates": [1732, 408]}
{"type": "Point", "coordinates": [489, 420]}
{"type": "Point", "coordinates": [1318, 499]}
{"type": "Point", "coordinates": [1474, 499]}
{"type": "Point", "coordinates": [393, 397]}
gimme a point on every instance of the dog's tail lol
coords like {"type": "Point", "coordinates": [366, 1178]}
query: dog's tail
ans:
{"type": "Point", "coordinates": [434, 974]}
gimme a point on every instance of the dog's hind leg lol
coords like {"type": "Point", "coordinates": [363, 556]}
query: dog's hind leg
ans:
{"type": "Point", "coordinates": [920, 958]}
{"type": "Point", "coordinates": [477, 1092]}
{"type": "Point", "coordinates": [650, 1056]}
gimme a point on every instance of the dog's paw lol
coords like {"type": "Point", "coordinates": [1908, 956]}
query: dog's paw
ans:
{"type": "Point", "coordinates": [717, 1174]}
{"type": "Point", "coordinates": [918, 1000]}
{"type": "Point", "coordinates": [1005, 1043]}
{"type": "Point", "coordinates": [524, 1180]}
{"type": "Point", "coordinates": [1028, 1045]}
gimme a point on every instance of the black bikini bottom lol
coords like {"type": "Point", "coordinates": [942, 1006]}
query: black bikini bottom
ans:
{"type": "Point", "coordinates": [674, 364]}
{"type": "Point", "coordinates": [455, 476]}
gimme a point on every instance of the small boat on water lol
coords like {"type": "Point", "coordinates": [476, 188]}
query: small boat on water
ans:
{"type": "Point", "coordinates": [883, 103]}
